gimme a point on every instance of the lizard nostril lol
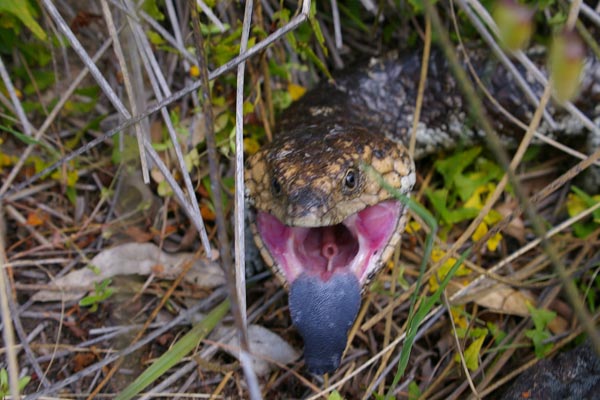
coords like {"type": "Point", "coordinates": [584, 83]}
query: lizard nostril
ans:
{"type": "Point", "coordinates": [275, 187]}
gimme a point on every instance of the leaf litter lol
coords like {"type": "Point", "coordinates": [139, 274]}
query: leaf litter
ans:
{"type": "Point", "coordinates": [505, 324]}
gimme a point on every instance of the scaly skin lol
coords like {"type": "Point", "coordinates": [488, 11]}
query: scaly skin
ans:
{"type": "Point", "coordinates": [364, 118]}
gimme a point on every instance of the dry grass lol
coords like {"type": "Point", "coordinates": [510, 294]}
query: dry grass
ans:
{"type": "Point", "coordinates": [90, 197]}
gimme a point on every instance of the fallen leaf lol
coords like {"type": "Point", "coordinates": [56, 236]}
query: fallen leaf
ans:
{"type": "Point", "coordinates": [516, 227]}
{"type": "Point", "coordinates": [505, 300]}
{"type": "Point", "coordinates": [132, 259]}
{"type": "Point", "coordinates": [558, 325]}
{"type": "Point", "coordinates": [82, 360]}
{"type": "Point", "coordinates": [207, 213]}
{"type": "Point", "coordinates": [266, 347]}
{"type": "Point", "coordinates": [35, 219]}
{"type": "Point", "coordinates": [138, 234]}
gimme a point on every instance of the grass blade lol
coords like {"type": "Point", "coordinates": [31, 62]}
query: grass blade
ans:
{"type": "Point", "coordinates": [179, 350]}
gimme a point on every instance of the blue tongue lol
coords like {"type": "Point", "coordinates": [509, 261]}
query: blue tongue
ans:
{"type": "Point", "coordinates": [323, 312]}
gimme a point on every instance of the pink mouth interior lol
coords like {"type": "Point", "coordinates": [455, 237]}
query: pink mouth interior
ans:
{"type": "Point", "coordinates": [323, 251]}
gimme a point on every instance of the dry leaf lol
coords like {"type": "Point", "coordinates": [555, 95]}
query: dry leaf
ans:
{"type": "Point", "coordinates": [82, 360]}
{"type": "Point", "coordinates": [505, 300]}
{"type": "Point", "coordinates": [35, 219]}
{"type": "Point", "coordinates": [516, 227]}
{"type": "Point", "coordinates": [266, 347]}
{"type": "Point", "coordinates": [132, 259]}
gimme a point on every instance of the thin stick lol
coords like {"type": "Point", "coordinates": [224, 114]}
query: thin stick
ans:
{"type": "Point", "coordinates": [215, 184]}
{"type": "Point", "coordinates": [421, 90]}
{"type": "Point", "coordinates": [160, 86]}
{"type": "Point", "coordinates": [337, 26]}
{"type": "Point", "coordinates": [157, 27]}
{"type": "Point", "coordinates": [166, 296]}
{"type": "Point", "coordinates": [128, 86]}
{"type": "Point", "coordinates": [78, 48]}
{"type": "Point", "coordinates": [211, 16]}
{"type": "Point", "coordinates": [239, 233]}
{"type": "Point", "coordinates": [460, 351]}
{"type": "Point", "coordinates": [8, 333]}
{"type": "Point", "coordinates": [508, 64]}
{"type": "Point", "coordinates": [18, 108]}
{"type": "Point", "coordinates": [590, 13]}
{"type": "Point", "coordinates": [573, 14]}
{"type": "Point", "coordinates": [433, 316]}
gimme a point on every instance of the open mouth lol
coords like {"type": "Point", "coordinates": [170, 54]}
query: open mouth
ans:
{"type": "Point", "coordinates": [352, 246]}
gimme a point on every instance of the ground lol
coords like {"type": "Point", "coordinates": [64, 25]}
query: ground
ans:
{"type": "Point", "coordinates": [514, 300]}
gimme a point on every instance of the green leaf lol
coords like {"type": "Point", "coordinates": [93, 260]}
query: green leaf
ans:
{"type": "Point", "coordinates": [541, 318]}
{"type": "Point", "coordinates": [583, 230]}
{"type": "Point", "coordinates": [192, 159]}
{"type": "Point", "coordinates": [467, 184]}
{"type": "Point", "coordinates": [454, 165]}
{"type": "Point", "coordinates": [538, 338]}
{"type": "Point", "coordinates": [589, 201]}
{"type": "Point", "coordinates": [314, 23]}
{"type": "Point", "coordinates": [152, 9]}
{"type": "Point", "coordinates": [23, 382]}
{"type": "Point", "coordinates": [439, 199]}
{"type": "Point", "coordinates": [43, 80]}
{"type": "Point", "coordinates": [335, 395]}
{"type": "Point", "coordinates": [417, 6]}
{"type": "Point", "coordinates": [25, 13]}
{"type": "Point", "coordinates": [497, 333]}
{"type": "Point", "coordinates": [515, 22]}
{"type": "Point", "coordinates": [3, 378]}
{"type": "Point", "coordinates": [155, 38]}
{"type": "Point", "coordinates": [28, 140]}
{"type": "Point", "coordinates": [557, 19]}
{"type": "Point", "coordinates": [478, 332]}
{"type": "Point", "coordinates": [566, 63]}
{"type": "Point", "coordinates": [414, 392]}
{"type": "Point", "coordinates": [130, 152]}
{"type": "Point", "coordinates": [176, 353]}
{"type": "Point", "coordinates": [353, 10]}
{"type": "Point", "coordinates": [71, 193]}
{"type": "Point", "coordinates": [101, 293]}
{"type": "Point", "coordinates": [164, 189]}
{"type": "Point", "coordinates": [212, 29]}
{"type": "Point", "coordinates": [472, 354]}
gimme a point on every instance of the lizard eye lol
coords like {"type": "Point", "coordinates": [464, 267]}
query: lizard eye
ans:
{"type": "Point", "coordinates": [351, 179]}
{"type": "Point", "coordinates": [275, 186]}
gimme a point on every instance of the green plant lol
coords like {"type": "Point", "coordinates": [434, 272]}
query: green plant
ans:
{"type": "Point", "coordinates": [577, 202]}
{"type": "Point", "coordinates": [469, 179]}
{"type": "Point", "coordinates": [540, 333]}
{"type": "Point", "coordinates": [102, 291]}
{"type": "Point", "coordinates": [23, 11]}
{"type": "Point", "coordinates": [4, 387]}
{"type": "Point", "coordinates": [180, 349]}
